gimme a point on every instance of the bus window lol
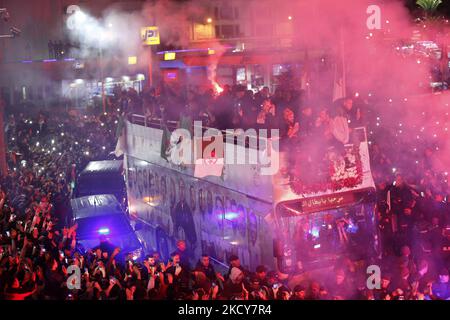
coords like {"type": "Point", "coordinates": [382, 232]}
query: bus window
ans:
{"type": "Point", "coordinates": [316, 240]}
{"type": "Point", "coordinates": [192, 198]}
{"type": "Point", "coordinates": [146, 178]}
{"type": "Point", "coordinates": [156, 190]}
{"type": "Point", "coordinates": [201, 202]}
{"type": "Point", "coordinates": [230, 221]}
{"type": "Point", "coordinates": [182, 191]}
{"type": "Point", "coordinates": [173, 193]}
{"type": "Point", "coordinates": [218, 216]}
{"type": "Point", "coordinates": [140, 183]}
{"type": "Point", "coordinates": [252, 238]}
{"type": "Point", "coordinates": [241, 223]}
{"type": "Point", "coordinates": [151, 184]}
{"type": "Point", "coordinates": [252, 228]}
{"type": "Point", "coordinates": [163, 189]}
{"type": "Point", "coordinates": [209, 202]}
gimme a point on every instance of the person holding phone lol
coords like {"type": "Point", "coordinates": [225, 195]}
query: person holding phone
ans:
{"type": "Point", "coordinates": [180, 277]}
{"type": "Point", "coordinates": [151, 268]}
{"type": "Point", "coordinates": [274, 286]}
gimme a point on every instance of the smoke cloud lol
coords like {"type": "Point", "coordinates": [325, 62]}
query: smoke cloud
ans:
{"type": "Point", "coordinates": [396, 85]}
{"type": "Point", "coordinates": [376, 69]}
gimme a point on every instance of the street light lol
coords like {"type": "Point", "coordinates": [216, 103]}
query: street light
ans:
{"type": "Point", "coordinates": [80, 17]}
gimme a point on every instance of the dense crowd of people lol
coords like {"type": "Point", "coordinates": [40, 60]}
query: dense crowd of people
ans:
{"type": "Point", "coordinates": [38, 243]}
{"type": "Point", "coordinates": [45, 152]}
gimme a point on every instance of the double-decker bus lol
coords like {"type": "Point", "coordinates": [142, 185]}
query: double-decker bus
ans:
{"type": "Point", "coordinates": [299, 218]}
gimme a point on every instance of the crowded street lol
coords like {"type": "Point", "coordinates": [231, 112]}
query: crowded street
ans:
{"type": "Point", "coordinates": [101, 200]}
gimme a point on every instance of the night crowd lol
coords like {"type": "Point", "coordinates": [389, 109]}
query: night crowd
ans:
{"type": "Point", "coordinates": [45, 152]}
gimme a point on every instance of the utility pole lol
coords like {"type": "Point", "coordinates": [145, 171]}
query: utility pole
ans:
{"type": "Point", "coordinates": [3, 163]}
{"type": "Point", "coordinates": [14, 32]}
{"type": "Point", "coordinates": [150, 67]}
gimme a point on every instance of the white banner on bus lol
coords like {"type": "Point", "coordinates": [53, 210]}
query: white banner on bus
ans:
{"type": "Point", "coordinates": [208, 167]}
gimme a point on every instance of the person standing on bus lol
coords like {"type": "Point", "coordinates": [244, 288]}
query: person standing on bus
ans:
{"type": "Point", "coordinates": [289, 130]}
{"type": "Point", "coordinates": [351, 112]}
{"type": "Point", "coordinates": [306, 121]}
{"type": "Point", "coordinates": [267, 117]}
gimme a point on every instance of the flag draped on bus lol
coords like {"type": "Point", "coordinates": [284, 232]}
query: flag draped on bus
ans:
{"type": "Point", "coordinates": [121, 137]}
{"type": "Point", "coordinates": [209, 164]}
{"type": "Point", "coordinates": [165, 143]}
{"type": "Point", "coordinates": [209, 167]}
{"type": "Point", "coordinates": [340, 83]}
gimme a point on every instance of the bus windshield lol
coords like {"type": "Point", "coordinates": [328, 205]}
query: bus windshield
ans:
{"type": "Point", "coordinates": [110, 225]}
{"type": "Point", "coordinates": [317, 239]}
{"type": "Point", "coordinates": [99, 184]}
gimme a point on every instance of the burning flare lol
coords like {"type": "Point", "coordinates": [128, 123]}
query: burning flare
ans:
{"type": "Point", "coordinates": [217, 88]}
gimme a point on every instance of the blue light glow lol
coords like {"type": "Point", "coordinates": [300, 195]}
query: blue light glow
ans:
{"type": "Point", "coordinates": [315, 232]}
{"type": "Point", "coordinates": [231, 215]}
{"type": "Point", "coordinates": [103, 231]}
{"type": "Point", "coordinates": [352, 228]}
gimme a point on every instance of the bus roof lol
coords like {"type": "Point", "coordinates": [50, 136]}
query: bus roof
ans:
{"type": "Point", "coordinates": [95, 206]}
{"type": "Point", "coordinates": [350, 164]}
{"type": "Point", "coordinates": [107, 166]}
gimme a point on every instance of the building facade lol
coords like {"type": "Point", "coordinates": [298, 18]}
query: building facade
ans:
{"type": "Point", "coordinates": [43, 65]}
{"type": "Point", "coordinates": [246, 42]}
{"type": "Point", "coordinates": [250, 43]}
